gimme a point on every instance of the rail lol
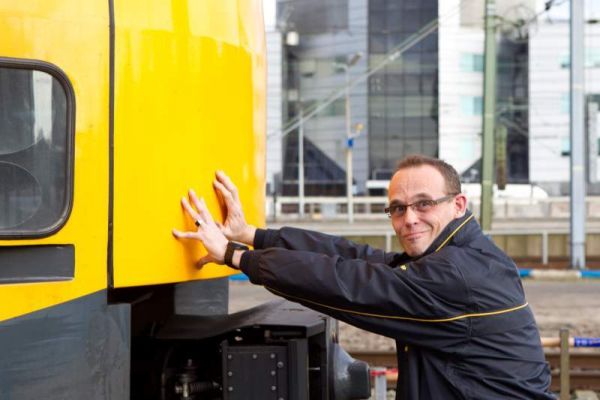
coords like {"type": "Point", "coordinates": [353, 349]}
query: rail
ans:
{"type": "Point", "coordinates": [327, 214]}
{"type": "Point", "coordinates": [371, 207]}
{"type": "Point", "coordinates": [390, 236]}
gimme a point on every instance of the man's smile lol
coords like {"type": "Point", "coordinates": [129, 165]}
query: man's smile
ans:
{"type": "Point", "coordinates": [414, 235]}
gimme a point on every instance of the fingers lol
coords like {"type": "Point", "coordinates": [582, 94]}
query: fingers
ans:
{"type": "Point", "coordinates": [225, 194]}
{"type": "Point", "coordinates": [203, 261]}
{"type": "Point", "coordinates": [228, 184]}
{"type": "Point", "coordinates": [194, 198]}
{"type": "Point", "coordinates": [185, 235]}
{"type": "Point", "coordinates": [200, 205]}
{"type": "Point", "coordinates": [189, 209]}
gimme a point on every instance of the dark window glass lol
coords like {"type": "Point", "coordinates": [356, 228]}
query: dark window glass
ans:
{"type": "Point", "coordinates": [429, 127]}
{"type": "Point", "coordinates": [395, 149]}
{"type": "Point", "coordinates": [395, 126]}
{"type": "Point", "coordinates": [412, 146]}
{"type": "Point", "coordinates": [377, 4]}
{"type": "Point", "coordinates": [430, 43]}
{"type": "Point", "coordinates": [412, 4]}
{"type": "Point", "coordinates": [377, 21]}
{"type": "Point", "coordinates": [35, 152]}
{"type": "Point", "coordinates": [395, 39]}
{"type": "Point", "coordinates": [376, 84]}
{"type": "Point", "coordinates": [378, 44]}
{"type": "Point", "coordinates": [377, 126]}
{"type": "Point", "coordinates": [430, 147]}
{"type": "Point", "coordinates": [412, 126]}
{"type": "Point", "coordinates": [393, 20]}
{"type": "Point", "coordinates": [411, 21]}
{"type": "Point", "coordinates": [314, 16]}
{"type": "Point", "coordinates": [395, 84]}
{"type": "Point", "coordinates": [403, 100]}
{"type": "Point", "coordinates": [411, 62]}
{"type": "Point", "coordinates": [428, 84]}
{"type": "Point", "coordinates": [412, 84]}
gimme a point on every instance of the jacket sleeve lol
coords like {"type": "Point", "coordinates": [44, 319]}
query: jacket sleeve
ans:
{"type": "Point", "coordinates": [417, 303]}
{"type": "Point", "coordinates": [316, 242]}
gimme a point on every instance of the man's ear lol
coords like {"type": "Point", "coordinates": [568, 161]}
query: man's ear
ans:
{"type": "Point", "coordinates": [460, 205]}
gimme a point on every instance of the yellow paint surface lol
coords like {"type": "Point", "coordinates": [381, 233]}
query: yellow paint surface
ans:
{"type": "Point", "coordinates": [189, 100]}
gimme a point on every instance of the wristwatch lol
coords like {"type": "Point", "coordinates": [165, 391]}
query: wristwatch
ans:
{"type": "Point", "coordinates": [231, 247]}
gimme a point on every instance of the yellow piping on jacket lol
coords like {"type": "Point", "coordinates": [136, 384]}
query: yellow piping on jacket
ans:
{"type": "Point", "coordinates": [449, 319]}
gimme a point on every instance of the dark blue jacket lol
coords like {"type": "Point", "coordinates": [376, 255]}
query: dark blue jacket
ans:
{"type": "Point", "coordinates": [462, 326]}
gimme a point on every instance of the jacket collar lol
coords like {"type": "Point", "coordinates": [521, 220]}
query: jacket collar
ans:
{"type": "Point", "coordinates": [458, 231]}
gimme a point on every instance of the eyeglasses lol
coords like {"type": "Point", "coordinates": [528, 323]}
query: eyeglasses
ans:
{"type": "Point", "coordinates": [421, 206]}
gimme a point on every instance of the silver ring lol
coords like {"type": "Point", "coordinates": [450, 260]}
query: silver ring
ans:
{"type": "Point", "coordinates": [198, 223]}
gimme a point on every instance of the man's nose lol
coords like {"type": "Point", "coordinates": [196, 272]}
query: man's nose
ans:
{"type": "Point", "coordinates": [410, 216]}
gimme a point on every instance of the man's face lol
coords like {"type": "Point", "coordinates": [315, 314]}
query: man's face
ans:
{"type": "Point", "coordinates": [416, 229]}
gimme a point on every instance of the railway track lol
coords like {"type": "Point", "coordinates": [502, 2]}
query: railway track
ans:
{"type": "Point", "coordinates": [585, 367]}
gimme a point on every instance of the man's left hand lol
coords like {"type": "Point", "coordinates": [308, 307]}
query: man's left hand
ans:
{"type": "Point", "coordinates": [207, 230]}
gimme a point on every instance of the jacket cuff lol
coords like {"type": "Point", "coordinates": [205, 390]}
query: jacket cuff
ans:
{"type": "Point", "coordinates": [259, 238]}
{"type": "Point", "coordinates": [265, 238]}
{"type": "Point", "coordinates": [249, 265]}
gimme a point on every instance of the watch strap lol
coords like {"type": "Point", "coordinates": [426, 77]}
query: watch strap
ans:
{"type": "Point", "coordinates": [231, 247]}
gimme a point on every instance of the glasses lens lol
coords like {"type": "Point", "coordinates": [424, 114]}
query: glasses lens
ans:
{"type": "Point", "coordinates": [424, 205]}
{"type": "Point", "coordinates": [398, 210]}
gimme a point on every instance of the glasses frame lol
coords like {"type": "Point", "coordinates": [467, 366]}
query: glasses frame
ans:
{"type": "Point", "coordinates": [412, 205]}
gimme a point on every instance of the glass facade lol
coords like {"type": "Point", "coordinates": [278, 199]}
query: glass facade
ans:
{"type": "Point", "coordinates": [314, 16]}
{"type": "Point", "coordinates": [513, 107]}
{"type": "Point", "coordinates": [403, 96]}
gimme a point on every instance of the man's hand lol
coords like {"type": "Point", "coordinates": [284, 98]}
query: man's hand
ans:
{"type": "Point", "coordinates": [235, 226]}
{"type": "Point", "coordinates": [208, 232]}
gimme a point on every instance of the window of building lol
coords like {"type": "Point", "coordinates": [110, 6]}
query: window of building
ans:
{"type": "Point", "coordinates": [470, 62]}
{"type": "Point", "coordinates": [335, 108]}
{"type": "Point", "coordinates": [467, 148]}
{"type": "Point", "coordinates": [403, 99]}
{"type": "Point", "coordinates": [565, 103]}
{"type": "Point", "coordinates": [565, 146]}
{"type": "Point", "coordinates": [592, 59]}
{"type": "Point", "coordinates": [308, 68]}
{"type": "Point", "coordinates": [471, 106]}
{"type": "Point", "coordinates": [36, 127]}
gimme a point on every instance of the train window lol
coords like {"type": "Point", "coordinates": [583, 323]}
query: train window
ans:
{"type": "Point", "coordinates": [36, 145]}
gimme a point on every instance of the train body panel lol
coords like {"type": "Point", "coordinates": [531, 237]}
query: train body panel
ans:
{"type": "Point", "coordinates": [43, 42]}
{"type": "Point", "coordinates": [193, 74]}
{"type": "Point", "coordinates": [79, 349]}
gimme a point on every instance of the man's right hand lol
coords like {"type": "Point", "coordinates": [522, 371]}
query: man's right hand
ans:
{"type": "Point", "coordinates": [235, 226]}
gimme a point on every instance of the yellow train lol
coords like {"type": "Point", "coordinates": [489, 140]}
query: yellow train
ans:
{"type": "Point", "coordinates": [109, 110]}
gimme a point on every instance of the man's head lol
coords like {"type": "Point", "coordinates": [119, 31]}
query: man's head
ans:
{"type": "Point", "coordinates": [432, 188]}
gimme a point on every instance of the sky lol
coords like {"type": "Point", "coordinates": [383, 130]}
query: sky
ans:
{"type": "Point", "coordinates": [269, 11]}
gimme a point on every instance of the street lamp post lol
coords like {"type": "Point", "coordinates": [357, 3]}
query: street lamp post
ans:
{"type": "Point", "coordinates": [301, 163]}
{"type": "Point", "coordinates": [349, 138]}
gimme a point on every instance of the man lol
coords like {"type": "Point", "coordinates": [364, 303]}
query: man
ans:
{"type": "Point", "coordinates": [453, 301]}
